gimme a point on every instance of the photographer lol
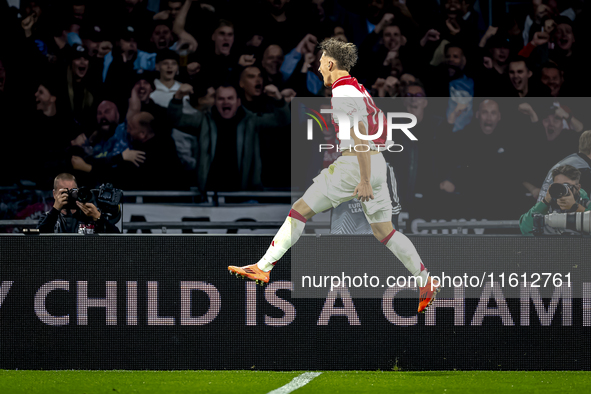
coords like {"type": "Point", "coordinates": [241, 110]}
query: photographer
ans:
{"type": "Point", "coordinates": [69, 216]}
{"type": "Point", "coordinates": [581, 161]}
{"type": "Point", "coordinates": [576, 200]}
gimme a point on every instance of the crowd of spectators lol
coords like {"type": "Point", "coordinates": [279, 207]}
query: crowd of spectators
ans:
{"type": "Point", "coordinates": [157, 94]}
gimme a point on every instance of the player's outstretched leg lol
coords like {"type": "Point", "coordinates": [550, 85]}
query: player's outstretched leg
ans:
{"type": "Point", "coordinates": [402, 247]}
{"type": "Point", "coordinates": [286, 237]}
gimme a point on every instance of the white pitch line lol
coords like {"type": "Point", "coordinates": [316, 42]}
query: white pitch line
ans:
{"type": "Point", "coordinates": [296, 383]}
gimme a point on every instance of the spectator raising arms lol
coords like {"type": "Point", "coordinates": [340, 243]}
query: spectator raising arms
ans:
{"type": "Point", "coordinates": [228, 155]}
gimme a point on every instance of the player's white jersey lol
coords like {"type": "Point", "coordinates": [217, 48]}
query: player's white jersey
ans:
{"type": "Point", "coordinates": [350, 97]}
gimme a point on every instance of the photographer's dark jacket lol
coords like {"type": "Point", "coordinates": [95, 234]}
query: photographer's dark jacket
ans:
{"type": "Point", "coordinates": [526, 222]}
{"type": "Point", "coordinates": [56, 222]}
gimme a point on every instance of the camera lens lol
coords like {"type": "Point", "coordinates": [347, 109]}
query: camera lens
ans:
{"type": "Point", "coordinates": [575, 221]}
{"type": "Point", "coordinates": [73, 194]}
{"type": "Point", "coordinates": [558, 190]}
{"type": "Point", "coordinates": [84, 195]}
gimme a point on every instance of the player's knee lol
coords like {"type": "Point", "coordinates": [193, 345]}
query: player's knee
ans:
{"type": "Point", "coordinates": [303, 209]}
{"type": "Point", "coordinates": [378, 235]}
{"type": "Point", "coordinates": [381, 230]}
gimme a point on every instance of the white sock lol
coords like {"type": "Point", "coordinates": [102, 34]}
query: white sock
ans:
{"type": "Point", "coordinates": [403, 248]}
{"type": "Point", "coordinates": [286, 237]}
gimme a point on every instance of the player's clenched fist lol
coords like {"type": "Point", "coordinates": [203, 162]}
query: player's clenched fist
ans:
{"type": "Point", "coordinates": [272, 91]}
{"type": "Point", "coordinates": [363, 192]}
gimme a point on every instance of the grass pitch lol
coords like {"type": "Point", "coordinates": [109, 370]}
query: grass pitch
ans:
{"type": "Point", "coordinates": [332, 382]}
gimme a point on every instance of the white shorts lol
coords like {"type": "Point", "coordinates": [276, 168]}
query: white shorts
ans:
{"type": "Point", "coordinates": [337, 183]}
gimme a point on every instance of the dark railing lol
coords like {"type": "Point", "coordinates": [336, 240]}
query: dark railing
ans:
{"type": "Point", "coordinates": [485, 224]}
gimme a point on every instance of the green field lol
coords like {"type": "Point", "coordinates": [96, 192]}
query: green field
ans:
{"type": "Point", "coordinates": [332, 382]}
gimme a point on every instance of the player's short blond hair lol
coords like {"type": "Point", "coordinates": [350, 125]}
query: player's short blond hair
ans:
{"type": "Point", "coordinates": [64, 176]}
{"type": "Point", "coordinates": [585, 143]}
{"type": "Point", "coordinates": [344, 53]}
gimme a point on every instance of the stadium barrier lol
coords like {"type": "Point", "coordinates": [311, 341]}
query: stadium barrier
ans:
{"type": "Point", "coordinates": [181, 225]}
{"type": "Point", "coordinates": [167, 302]}
{"type": "Point", "coordinates": [484, 224]}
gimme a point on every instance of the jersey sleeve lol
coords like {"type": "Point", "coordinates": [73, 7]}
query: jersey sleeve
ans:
{"type": "Point", "coordinates": [350, 103]}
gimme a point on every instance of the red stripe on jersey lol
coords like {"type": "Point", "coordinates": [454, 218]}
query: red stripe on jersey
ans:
{"type": "Point", "coordinates": [374, 113]}
{"type": "Point", "coordinates": [340, 81]}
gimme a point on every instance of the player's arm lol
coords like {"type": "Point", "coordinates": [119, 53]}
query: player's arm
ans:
{"type": "Point", "coordinates": [363, 191]}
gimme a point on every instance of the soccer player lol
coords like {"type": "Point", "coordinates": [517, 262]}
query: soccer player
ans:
{"type": "Point", "coordinates": [354, 174]}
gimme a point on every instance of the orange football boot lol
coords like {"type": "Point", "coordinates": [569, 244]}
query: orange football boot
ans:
{"type": "Point", "coordinates": [252, 272]}
{"type": "Point", "coordinates": [427, 296]}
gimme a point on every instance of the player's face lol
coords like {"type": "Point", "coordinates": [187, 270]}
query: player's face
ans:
{"type": "Point", "coordinates": [161, 37]}
{"type": "Point", "coordinates": [392, 38]}
{"type": "Point", "coordinates": [489, 116]}
{"type": "Point", "coordinates": [519, 75]}
{"type": "Point", "coordinates": [168, 69]}
{"type": "Point", "coordinates": [226, 102]}
{"type": "Point", "coordinates": [223, 39]}
{"type": "Point", "coordinates": [324, 70]}
{"type": "Point", "coordinates": [251, 81]}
